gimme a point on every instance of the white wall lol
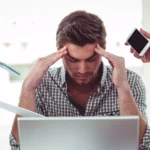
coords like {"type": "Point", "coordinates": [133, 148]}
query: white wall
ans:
{"type": "Point", "coordinates": [146, 67]}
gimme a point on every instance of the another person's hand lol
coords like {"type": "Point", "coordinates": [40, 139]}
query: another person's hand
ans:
{"type": "Point", "coordinates": [146, 57]}
{"type": "Point", "coordinates": [119, 76]}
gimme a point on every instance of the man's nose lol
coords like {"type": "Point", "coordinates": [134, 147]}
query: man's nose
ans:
{"type": "Point", "coordinates": [82, 67]}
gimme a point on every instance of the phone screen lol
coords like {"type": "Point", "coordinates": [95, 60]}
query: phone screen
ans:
{"type": "Point", "coordinates": [137, 41]}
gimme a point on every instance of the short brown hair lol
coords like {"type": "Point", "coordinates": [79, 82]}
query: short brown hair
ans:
{"type": "Point", "coordinates": [80, 28]}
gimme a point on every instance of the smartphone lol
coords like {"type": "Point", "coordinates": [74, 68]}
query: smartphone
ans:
{"type": "Point", "coordinates": [138, 41]}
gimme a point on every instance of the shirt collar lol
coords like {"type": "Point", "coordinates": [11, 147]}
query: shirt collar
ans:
{"type": "Point", "coordinates": [63, 75]}
{"type": "Point", "coordinates": [103, 77]}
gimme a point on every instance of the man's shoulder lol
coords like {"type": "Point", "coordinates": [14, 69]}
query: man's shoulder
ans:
{"type": "Point", "coordinates": [54, 70]}
{"type": "Point", "coordinates": [131, 75]}
{"type": "Point", "coordinates": [53, 73]}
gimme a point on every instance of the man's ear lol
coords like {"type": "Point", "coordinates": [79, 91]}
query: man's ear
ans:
{"type": "Point", "coordinates": [57, 47]}
{"type": "Point", "coordinates": [104, 47]}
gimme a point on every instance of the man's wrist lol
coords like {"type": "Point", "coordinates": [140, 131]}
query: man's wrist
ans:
{"type": "Point", "coordinates": [27, 87]}
{"type": "Point", "coordinates": [124, 91]}
{"type": "Point", "coordinates": [125, 88]}
{"type": "Point", "coordinates": [27, 99]}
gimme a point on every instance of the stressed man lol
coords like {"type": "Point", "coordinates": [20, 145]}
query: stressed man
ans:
{"type": "Point", "coordinates": [84, 85]}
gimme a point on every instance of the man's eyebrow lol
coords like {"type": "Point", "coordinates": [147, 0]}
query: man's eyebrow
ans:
{"type": "Point", "coordinates": [71, 56]}
{"type": "Point", "coordinates": [78, 59]}
{"type": "Point", "coordinates": [92, 55]}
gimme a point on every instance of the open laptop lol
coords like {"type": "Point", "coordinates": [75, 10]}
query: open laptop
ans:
{"type": "Point", "coordinates": [79, 133]}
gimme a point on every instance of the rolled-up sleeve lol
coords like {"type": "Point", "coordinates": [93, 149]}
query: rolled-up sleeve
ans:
{"type": "Point", "coordinates": [13, 143]}
{"type": "Point", "coordinates": [39, 109]}
{"type": "Point", "coordinates": [139, 94]}
{"type": "Point", "coordinates": [146, 140]}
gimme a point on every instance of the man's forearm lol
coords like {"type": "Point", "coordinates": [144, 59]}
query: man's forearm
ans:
{"type": "Point", "coordinates": [128, 106]}
{"type": "Point", "coordinates": [27, 101]}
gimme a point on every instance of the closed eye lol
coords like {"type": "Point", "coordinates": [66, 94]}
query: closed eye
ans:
{"type": "Point", "coordinates": [73, 60]}
{"type": "Point", "coordinates": [92, 59]}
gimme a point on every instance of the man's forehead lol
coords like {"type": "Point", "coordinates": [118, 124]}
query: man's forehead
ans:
{"type": "Point", "coordinates": [81, 52]}
{"type": "Point", "coordinates": [87, 46]}
{"type": "Point", "coordinates": [85, 56]}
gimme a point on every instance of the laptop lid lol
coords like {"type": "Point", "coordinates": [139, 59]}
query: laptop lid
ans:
{"type": "Point", "coordinates": [74, 133]}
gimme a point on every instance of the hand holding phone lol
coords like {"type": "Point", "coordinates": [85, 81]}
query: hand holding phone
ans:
{"type": "Point", "coordinates": [138, 42]}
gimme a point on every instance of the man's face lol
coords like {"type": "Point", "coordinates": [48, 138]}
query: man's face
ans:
{"type": "Point", "coordinates": [82, 63]}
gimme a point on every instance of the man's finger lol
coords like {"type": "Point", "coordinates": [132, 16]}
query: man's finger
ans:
{"type": "Point", "coordinates": [57, 56]}
{"type": "Point", "coordinates": [62, 49]}
{"type": "Point", "coordinates": [54, 59]}
{"type": "Point", "coordinates": [50, 61]}
{"type": "Point", "coordinates": [100, 51]}
{"type": "Point", "coordinates": [104, 53]}
{"type": "Point", "coordinates": [55, 53]}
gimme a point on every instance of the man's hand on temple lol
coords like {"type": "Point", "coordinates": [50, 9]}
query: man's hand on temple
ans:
{"type": "Point", "coordinates": [39, 69]}
{"type": "Point", "coordinates": [119, 76]}
{"type": "Point", "coordinates": [35, 76]}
